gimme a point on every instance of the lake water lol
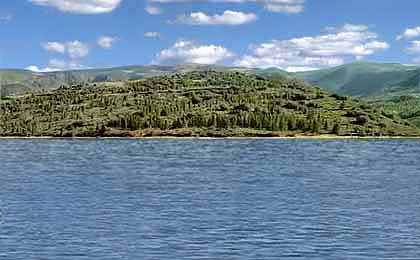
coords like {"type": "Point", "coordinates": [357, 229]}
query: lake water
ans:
{"type": "Point", "coordinates": [209, 199]}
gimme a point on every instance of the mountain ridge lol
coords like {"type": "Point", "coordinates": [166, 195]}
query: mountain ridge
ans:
{"type": "Point", "coordinates": [363, 78]}
{"type": "Point", "coordinates": [354, 79]}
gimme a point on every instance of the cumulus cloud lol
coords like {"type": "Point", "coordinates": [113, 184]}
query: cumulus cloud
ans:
{"type": "Point", "coordinates": [6, 17]}
{"type": "Point", "coordinates": [409, 33]}
{"type": "Point", "coordinates": [414, 50]}
{"type": "Point", "coordinates": [57, 65]}
{"type": "Point", "coordinates": [65, 65]}
{"type": "Point", "coordinates": [35, 68]}
{"type": "Point", "coordinates": [307, 53]}
{"type": "Point", "coordinates": [348, 28]}
{"type": "Point", "coordinates": [414, 47]}
{"type": "Point", "coordinates": [74, 49]}
{"type": "Point", "coordinates": [77, 49]}
{"type": "Point", "coordinates": [279, 6]}
{"type": "Point", "coordinates": [227, 18]}
{"type": "Point", "coordinates": [54, 47]}
{"type": "Point", "coordinates": [153, 9]}
{"type": "Point", "coordinates": [184, 51]}
{"type": "Point", "coordinates": [288, 9]}
{"type": "Point", "coordinates": [106, 42]}
{"type": "Point", "coordinates": [152, 34]}
{"type": "Point", "coordinates": [80, 6]}
{"type": "Point", "coordinates": [74, 52]}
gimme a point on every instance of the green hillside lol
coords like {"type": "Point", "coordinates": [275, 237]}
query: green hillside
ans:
{"type": "Point", "coordinates": [17, 82]}
{"type": "Point", "coordinates": [403, 107]}
{"type": "Point", "coordinates": [14, 81]}
{"type": "Point", "coordinates": [273, 73]}
{"type": "Point", "coordinates": [203, 103]}
{"type": "Point", "coordinates": [365, 79]}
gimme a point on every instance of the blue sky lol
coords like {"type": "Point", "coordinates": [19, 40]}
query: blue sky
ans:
{"type": "Point", "coordinates": [289, 34]}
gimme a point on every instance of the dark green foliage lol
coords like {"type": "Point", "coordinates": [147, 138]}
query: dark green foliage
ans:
{"type": "Point", "coordinates": [404, 107]}
{"type": "Point", "coordinates": [207, 102]}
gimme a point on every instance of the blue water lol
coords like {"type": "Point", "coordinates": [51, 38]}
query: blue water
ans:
{"type": "Point", "coordinates": [209, 199]}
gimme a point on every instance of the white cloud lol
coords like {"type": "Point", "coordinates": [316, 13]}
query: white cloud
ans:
{"type": "Point", "coordinates": [227, 18]}
{"type": "Point", "coordinates": [74, 49]}
{"type": "Point", "coordinates": [152, 34]}
{"type": "Point", "coordinates": [54, 47]}
{"type": "Point", "coordinates": [184, 51]}
{"type": "Point", "coordinates": [348, 28]}
{"type": "Point", "coordinates": [35, 68]}
{"type": "Point", "coordinates": [57, 65]}
{"type": "Point", "coordinates": [288, 9]}
{"type": "Point", "coordinates": [153, 9]}
{"type": "Point", "coordinates": [77, 49]}
{"type": "Point", "coordinates": [414, 47]}
{"type": "Point", "coordinates": [409, 33]}
{"type": "Point", "coordinates": [81, 6]}
{"type": "Point", "coordinates": [307, 53]}
{"type": "Point", "coordinates": [6, 17]}
{"type": "Point", "coordinates": [279, 6]}
{"type": "Point", "coordinates": [65, 65]}
{"type": "Point", "coordinates": [106, 42]}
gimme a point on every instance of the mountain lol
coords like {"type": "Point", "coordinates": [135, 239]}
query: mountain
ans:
{"type": "Point", "coordinates": [15, 82]}
{"type": "Point", "coordinates": [199, 103]}
{"type": "Point", "coordinates": [366, 79]}
{"type": "Point", "coordinates": [22, 81]}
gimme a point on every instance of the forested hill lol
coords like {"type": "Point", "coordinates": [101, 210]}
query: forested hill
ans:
{"type": "Point", "coordinates": [17, 82]}
{"type": "Point", "coordinates": [364, 79]}
{"type": "Point", "coordinates": [205, 103]}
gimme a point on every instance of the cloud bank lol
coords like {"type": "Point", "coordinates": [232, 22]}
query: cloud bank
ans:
{"type": "Point", "coordinates": [227, 18]}
{"type": "Point", "coordinates": [184, 51]}
{"type": "Point", "coordinates": [278, 6]}
{"type": "Point", "coordinates": [308, 53]}
{"type": "Point", "coordinates": [87, 7]}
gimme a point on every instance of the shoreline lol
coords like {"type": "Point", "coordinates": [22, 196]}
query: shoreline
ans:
{"type": "Point", "coordinates": [315, 137]}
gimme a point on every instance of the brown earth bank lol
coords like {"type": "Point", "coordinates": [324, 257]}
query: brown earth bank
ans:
{"type": "Point", "coordinates": [207, 133]}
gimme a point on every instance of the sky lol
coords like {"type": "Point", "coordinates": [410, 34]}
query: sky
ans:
{"type": "Point", "coordinates": [294, 35]}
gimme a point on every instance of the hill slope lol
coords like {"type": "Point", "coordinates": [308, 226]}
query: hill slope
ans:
{"type": "Point", "coordinates": [15, 82]}
{"type": "Point", "coordinates": [366, 79]}
{"type": "Point", "coordinates": [204, 103]}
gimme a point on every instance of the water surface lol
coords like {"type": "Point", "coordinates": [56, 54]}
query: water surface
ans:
{"type": "Point", "coordinates": [209, 199]}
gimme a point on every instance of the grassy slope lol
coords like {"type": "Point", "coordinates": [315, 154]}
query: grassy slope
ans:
{"type": "Point", "coordinates": [364, 78]}
{"type": "Point", "coordinates": [21, 81]}
{"type": "Point", "coordinates": [393, 88]}
{"type": "Point", "coordinates": [206, 103]}
{"type": "Point", "coordinates": [14, 81]}
{"type": "Point", "coordinates": [355, 79]}
{"type": "Point", "coordinates": [403, 107]}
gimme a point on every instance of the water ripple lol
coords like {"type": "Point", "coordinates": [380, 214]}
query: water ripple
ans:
{"type": "Point", "coordinates": [209, 199]}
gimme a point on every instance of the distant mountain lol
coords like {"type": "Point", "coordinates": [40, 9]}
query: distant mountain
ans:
{"type": "Point", "coordinates": [366, 79]}
{"type": "Point", "coordinates": [21, 81]}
